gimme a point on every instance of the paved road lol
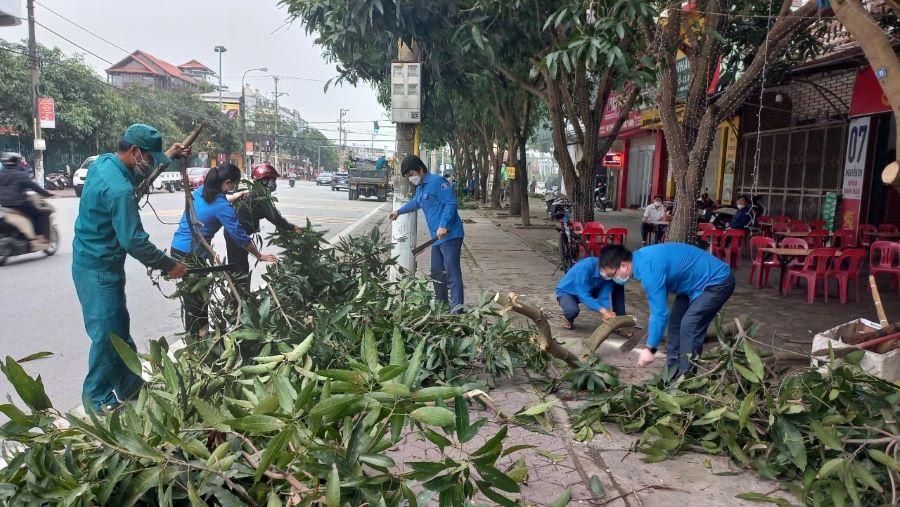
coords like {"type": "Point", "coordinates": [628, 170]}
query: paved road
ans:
{"type": "Point", "coordinates": [39, 310]}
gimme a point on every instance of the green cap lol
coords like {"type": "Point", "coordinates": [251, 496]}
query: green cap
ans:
{"type": "Point", "coordinates": [147, 138]}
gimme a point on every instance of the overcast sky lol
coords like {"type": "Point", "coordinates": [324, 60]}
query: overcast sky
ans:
{"type": "Point", "coordinates": [254, 33]}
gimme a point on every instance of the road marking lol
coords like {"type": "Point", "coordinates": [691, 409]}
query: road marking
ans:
{"type": "Point", "coordinates": [355, 225]}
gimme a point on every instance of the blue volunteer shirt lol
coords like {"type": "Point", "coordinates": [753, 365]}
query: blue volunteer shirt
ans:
{"type": "Point", "coordinates": [584, 281]}
{"type": "Point", "coordinates": [675, 268]}
{"type": "Point", "coordinates": [212, 216]}
{"type": "Point", "coordinates": [434, 195]}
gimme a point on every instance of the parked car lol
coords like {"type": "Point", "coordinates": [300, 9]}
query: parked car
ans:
{"type": "Point", "coordinates": [196, 175]}
{"type": "Point", "coordinates": [324, 179]}
{"type": "Point", "coordinates": [540, 189]}
{"type": "Point", "coordinates": [341, 181]}
{"type": "Point", "coordinates": [81, 173]}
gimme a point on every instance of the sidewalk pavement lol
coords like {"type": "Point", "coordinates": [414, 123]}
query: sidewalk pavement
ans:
{"type": "Point", "coordinates": [496, 259]}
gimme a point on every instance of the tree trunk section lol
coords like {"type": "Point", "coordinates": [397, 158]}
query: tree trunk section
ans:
{"type": "Point", "coordinates": [522, 178]}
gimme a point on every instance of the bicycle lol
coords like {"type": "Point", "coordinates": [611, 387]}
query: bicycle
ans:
{"type": "Point", "coordinates": [569, 240]}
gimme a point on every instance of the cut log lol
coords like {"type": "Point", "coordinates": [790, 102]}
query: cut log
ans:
{"type": "Point", "coordinates": [853, 339]}
{"type": "Point", "coordinates": [544, 337]}
{"type": "Point", "coordinates": [891, 175]}
{"type": "Point", "coordinates": [603, 332]}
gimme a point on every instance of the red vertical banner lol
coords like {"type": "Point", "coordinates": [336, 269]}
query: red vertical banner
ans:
{"type": "Point", "coordinates": [858, 136]}
{"type": "Point", "coordinates": [47, 112]}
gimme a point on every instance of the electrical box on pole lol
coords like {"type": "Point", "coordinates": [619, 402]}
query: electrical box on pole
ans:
{"type": "Point", "coordinates": [406, 92]}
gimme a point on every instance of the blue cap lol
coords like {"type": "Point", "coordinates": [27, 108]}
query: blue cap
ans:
{"type": "Point", "coordinates": [147, 138]}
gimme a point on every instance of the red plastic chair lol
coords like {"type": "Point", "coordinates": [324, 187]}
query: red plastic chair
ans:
{"type": "Point", "coordinates": [593, 239]}
{"type": "Point", "coordinates": [616, 236]}
{"type": "Point", "coordinates": [705, 226]}
{"type": "Point", "coordinates": [781, 219]}
{"type": "Point", "coordinates": [843, 239]}
{"type": "Point", "coordinates": [887, 228]}
{"type": "Point", "coordinates": [715, 238]}
{"type": "Point", "coordinates": [846, 268]}
{"type": "Point", "coordinates": [577, 226]}
{"type": "Point", "coordinates": [867, 235]}
{"type": "Point", "coordinates": [885, 258]}
{"type": "Point", "coordinates": [798, 243]}
{"type": "Point", "coordinates": [758, 261]}
{"type": "Point", "coordinates": [818, 225]}
{"type": "Point", "coordinates": [817, 238]}
{"type": "Point", "coordinates": [799, 226]}
{"type": "Point", "coordinates": [765, 225]}
{"type": "Point", "coordinates": [812, 270]}
{"type": "Point", "coordinates": [732, 244]}
{"type": "Point", "coordinates": [780, 227]}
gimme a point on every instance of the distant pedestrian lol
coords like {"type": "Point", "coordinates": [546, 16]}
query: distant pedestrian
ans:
{"type": "Point", "coordinates": [532, 187]}
{"type": "Point", "coordinates": [435, 197]}
{"type": "Point", "coordinates": [701, 283]}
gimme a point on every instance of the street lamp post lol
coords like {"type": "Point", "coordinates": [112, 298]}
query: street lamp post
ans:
{"type": "Point", "coordinates": [220, 50]}
{"type": "Point", "coordinates": [246, 157]}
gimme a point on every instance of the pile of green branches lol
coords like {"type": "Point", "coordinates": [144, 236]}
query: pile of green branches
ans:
{"type": "Point", "coordinates": [330, 366]}
{"type": "Point", "coordinates": [831, 435]}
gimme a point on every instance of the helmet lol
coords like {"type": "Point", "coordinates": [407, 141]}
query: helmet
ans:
{"type": "Point", "coordinates": [263, 171]}
{"type": "Point", "coordinates": [10, 159]}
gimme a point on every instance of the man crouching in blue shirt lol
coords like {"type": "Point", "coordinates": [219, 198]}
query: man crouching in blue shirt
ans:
{"type": "Point", "coordinates": [435, 196]}
{"type": "Point", "coordinates": [584, 284]}
{"type": "Point", "coordinates": [701, 284]}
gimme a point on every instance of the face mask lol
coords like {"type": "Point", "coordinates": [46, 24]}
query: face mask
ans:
{"type": "Point", "coordinates": [621, 280]}
{"type": "Point", "coordinates": [741, 206]}
{"type": "Point", "coordinates": [415, 179]}
{"type": "Point", "coordinates": [605, 276]}
{"type": "Point", "coordinates": [272, 185]}
{"type": "Point", "coordinates": [657, 204]}
{"type": "Point", "coordinates": [141, 165]}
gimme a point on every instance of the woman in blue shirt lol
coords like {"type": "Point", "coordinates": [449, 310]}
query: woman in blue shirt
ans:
{"type": "Point", "coordinates": [213, 212]}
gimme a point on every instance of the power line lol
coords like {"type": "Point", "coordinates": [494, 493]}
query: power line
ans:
{"type": "Point", "coordinates": [113, 44]}
{"type": "Point", "coordinates": [45, 27]}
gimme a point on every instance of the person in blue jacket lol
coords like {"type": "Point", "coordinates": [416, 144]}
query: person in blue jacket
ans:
{"type": "Point", "coordinates": [436, 198]}
{"type": "Point", "coordinates": [701, 283]}
{"type": "Point", "coordinates": [742, 217]}
{"type": "Point", "coordinates": [584, 284]}
{"type": "Point", "coordinates": [108, 228]}
{"type": "Point", "coordinates": [213, 212]}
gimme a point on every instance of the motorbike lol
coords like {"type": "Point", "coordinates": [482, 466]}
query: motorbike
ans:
{"type": "Point", "coordinates": [292, 181]}
{"type": "Point", "coordinates": [600, 197]}
{"type": "Point", "coordinates": [550, 197]}
{"type": "Point", "coordinates": [57, 181]}
{"type": "Point", "coordinates": [17, 231]}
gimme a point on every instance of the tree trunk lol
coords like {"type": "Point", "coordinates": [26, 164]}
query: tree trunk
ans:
{"type": "Point", "coordinates": [512, 185]}
{"type": "Point", "coordinates": [495, 187]}
{"type": "Point", "coordinates": [877, 47]}
{"type": "Point", "coordinates": [522, 176]}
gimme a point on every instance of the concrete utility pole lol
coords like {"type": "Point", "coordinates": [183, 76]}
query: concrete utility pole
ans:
{"type": "Point", "coordinates": [35, 84]}
{"type": "Point", "coordinates": [404, 230]}
{"type": "Point", "coordinates": [246, 157]}
{"type": "Point", "coordinates": [341, 135]}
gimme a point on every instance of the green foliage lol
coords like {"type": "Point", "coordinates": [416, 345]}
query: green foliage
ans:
{"type": "Point", "coordinates": [826, 434]}
{"type": "Point", "coordinates": [304, 399]}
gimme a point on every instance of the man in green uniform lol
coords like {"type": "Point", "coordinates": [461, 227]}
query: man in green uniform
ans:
{"type": "Point", "coordinates": [109, 227]}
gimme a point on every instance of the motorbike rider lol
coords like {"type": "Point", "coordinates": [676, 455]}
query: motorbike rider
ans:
{"type": "Point", "coordinates": [14, 185]}
{"type": "Point", "coordinates": [256, 205]}
{"type": "Point", "coordinates": [292, 178]}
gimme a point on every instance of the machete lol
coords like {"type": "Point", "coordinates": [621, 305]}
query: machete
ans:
{"type": "Point", "coordinates": [419, 249]}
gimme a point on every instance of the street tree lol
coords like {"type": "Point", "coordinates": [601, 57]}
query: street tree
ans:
{"type": "Point", "coordinates": [751, 37]}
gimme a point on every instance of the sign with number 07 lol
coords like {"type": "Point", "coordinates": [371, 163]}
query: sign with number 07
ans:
{"type": "Point", "coordinates": [855, 162]}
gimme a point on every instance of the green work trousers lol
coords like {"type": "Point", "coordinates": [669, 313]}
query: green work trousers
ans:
{"type": "Point", "coordinates": [102, 298]}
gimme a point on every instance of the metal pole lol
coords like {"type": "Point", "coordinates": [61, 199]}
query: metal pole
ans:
{"type": "Point", "coordinates": [35, 83]}
{"type": "Point", "coordinates": [318, 158]}
{"type": "Point", "coordinates": [246, 157]}
{"type": "Point", "coordinates": [220, 50]}
{"type": "Point", "coordinates": [277, 114]}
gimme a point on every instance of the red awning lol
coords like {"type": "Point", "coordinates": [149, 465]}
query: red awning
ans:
{"type": "Point", "coordinates": [868, 97]}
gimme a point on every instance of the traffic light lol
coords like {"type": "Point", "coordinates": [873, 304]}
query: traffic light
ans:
{"type": "Point", "coordinates": [375, 127]}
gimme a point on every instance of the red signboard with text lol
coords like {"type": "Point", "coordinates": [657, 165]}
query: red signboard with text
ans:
{"type": "Point", "coordinates": [868, 97]}
{"type": "Point", "coordinates": [611, 113]}
{"type": "Point", "coordinates": [47, 112]}
{"type": "Point", "coordinates": [614, 159]}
